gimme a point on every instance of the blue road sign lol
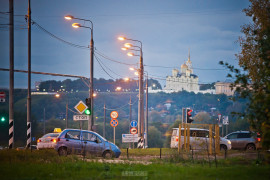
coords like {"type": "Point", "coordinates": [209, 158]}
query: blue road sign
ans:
{"type": "Point", "coordinates": [133, 123]}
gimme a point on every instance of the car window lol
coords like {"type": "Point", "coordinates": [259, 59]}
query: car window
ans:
{"type": "Point", "coordinates": [50, 135]}
{"type": "Point", "coordinates": [174, 132]}
{"type": "Point", "coordinates": [232, 136]}
{"type": "Point", "coordinates": [86, 136]}
{"type": "Point", "coordinates": [244, 135]}
{"type": "Point", "coordinates": [73, 135]}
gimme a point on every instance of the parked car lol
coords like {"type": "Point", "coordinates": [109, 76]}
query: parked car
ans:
{"type": "Point", "coordinates": [199, 139]}
{"type": "Point", "coordinates": [244, 140]}
{"type": "Point", "coordinates": [85, 142]}
{"type": "Point", "coordinates": [47, 141]}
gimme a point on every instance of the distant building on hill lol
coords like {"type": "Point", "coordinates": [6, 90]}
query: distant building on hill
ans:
{"type": "Point", "coordinates": [184, 80]}
{"type": "Point", "coordinates": [224, 88]}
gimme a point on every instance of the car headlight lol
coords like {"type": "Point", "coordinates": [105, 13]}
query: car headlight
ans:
{"type": "Point", "coordinates": [229, 142]}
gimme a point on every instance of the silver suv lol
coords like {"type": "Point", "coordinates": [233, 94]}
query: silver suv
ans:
{"type": "Point", "coordinates": [243, 140]}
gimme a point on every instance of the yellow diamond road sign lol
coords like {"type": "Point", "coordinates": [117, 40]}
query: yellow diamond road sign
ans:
{"type": "Point", "coordinates": [81, 107]}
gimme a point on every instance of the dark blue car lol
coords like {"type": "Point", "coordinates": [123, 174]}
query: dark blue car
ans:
{"type": "Point", "coordinates": [78, 141]}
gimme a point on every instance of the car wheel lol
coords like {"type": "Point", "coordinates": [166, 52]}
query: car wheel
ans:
{"type": "Point", "coordinates": [107, 154]}
{"type": "Point", "coordinates": [62, 151]}
{"type": "Point", "coordinates": [223, 147]}
{"type": "Point", "coordinates": [250, 147]}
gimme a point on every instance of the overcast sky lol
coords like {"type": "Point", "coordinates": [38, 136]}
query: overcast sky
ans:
{"type": "Point", "coordinates": [167, 29]}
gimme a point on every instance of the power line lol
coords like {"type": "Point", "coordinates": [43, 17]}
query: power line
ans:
{"type": "Point", "coordinates": [60, 39]}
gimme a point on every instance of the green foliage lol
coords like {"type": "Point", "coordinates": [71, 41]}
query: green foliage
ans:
{"type": "Point", "coordinates": [154, 137]}
{"type": "Point", "coordinates": [254, 59]}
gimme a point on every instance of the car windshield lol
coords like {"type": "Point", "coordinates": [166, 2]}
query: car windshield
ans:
{"type": "Point", "coordinates": [50, 135]}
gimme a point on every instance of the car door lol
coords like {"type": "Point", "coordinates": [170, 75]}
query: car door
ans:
{"type": "Point", "coordinates": [233, 138]}
{"type": "Point", "coordinates": [73, 141]}
{"type": "Point", "coordinates": [91, 143]}
{"type": "Point", "coordinates": [243, 140]}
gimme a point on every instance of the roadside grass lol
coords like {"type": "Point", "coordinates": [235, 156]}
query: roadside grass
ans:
{"type": "Point", "coordinates": [46, 164]}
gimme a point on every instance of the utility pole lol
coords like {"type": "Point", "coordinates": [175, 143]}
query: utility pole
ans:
{"type": "Point", "coordinates": [91, 92]}
{"type": "Point", "coordinates": [44, 121]}
{"type": "Point", "coordinates": [11, 74]}
{"type": "Point", "coordinates": [130, 117]}
{"type": "Point", "coordinates": [141, 104]}
{"type": "Point", "coordinates": [28, 143]}
{"type": "Point", "coordinates": [104, 121]}
{"type": "Point", "coordinates": [67, 115]}
{"type": "Point", "coordinates": [146, 114]}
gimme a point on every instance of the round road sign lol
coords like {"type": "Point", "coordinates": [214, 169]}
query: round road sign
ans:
{"type": "Point", "coordinates": [133, 130]}
{"type": "Point", "coordinates": [133, 123]}
{"type": "Point", "coordinates": [114, 114]}
{"type": "Point", "coordinates": [114, 122]}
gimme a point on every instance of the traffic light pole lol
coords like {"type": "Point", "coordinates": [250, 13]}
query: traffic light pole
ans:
{"type": "Point", "coordinates": [11, 74]}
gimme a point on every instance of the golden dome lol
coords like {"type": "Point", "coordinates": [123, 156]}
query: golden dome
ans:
{"type": "Point", "coordinates": [184, 66]}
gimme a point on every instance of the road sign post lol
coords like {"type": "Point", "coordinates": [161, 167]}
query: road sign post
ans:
{"type": "Point", "coordinates": [114, 123]}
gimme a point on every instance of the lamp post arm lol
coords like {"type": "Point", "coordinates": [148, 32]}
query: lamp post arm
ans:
{"type": "Point", "coordinates": [85, 20]}
{"type": "Point", "coordinates": [136, 41]}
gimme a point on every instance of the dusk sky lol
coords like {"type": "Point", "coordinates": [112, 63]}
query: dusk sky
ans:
{"type": "Point", "coordinates": [167, 29]}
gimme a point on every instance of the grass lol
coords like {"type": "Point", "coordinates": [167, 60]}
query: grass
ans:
{"type": "Point", "coordinates": [48, 165]}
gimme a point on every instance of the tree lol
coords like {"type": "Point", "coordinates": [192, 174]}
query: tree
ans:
{"type": "Point", "coordinates": [254, 59]}
{"type": "Point", "coordinates": [202, 118]}
{"type": "Point", "coordinates": [154, 137]}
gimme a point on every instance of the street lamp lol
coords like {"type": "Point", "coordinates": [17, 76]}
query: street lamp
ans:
{"type": "Point", "coordinates": [141, 91]}
{"type": "Point", "coordinates": [91, 86]}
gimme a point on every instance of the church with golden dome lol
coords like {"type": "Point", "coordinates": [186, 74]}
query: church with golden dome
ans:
{"type": "Point", "coordinates": [184, 80]}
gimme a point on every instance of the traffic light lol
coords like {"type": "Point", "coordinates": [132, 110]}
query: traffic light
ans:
{"type": "Point", "coordinates": [3, 119]}
{"type": "Point", "coordinates": [189, 118]}
{"type": "Point", "coordinates": [88, 103]}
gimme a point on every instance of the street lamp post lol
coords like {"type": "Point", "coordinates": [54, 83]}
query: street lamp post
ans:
{"type": "Point", "coordinates": [91, 87]}
{"type": "Point", "coordinates": [141, 91]}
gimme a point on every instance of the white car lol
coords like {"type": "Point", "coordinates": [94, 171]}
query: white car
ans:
{"type": "Point", "coordinates": [47, 141]}
{"type": "Point", "coordinates": [199, 139]}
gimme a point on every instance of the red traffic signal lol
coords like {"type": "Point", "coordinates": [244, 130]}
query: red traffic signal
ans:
{"type": "Point", "coordinates": [189, 116]}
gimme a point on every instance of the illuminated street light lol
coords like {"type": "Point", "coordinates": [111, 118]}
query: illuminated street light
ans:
{"type": "Point", "coordinates": [124, 48]}
{"type": "Point", "coordinates": [76, 25]}
{"type": "Point", "coordinates": [91, 94]}
{"type": "Point", "coordinates": [130, 54]}
{"type": "Point", "coordinates": [118, 88]}
{"type": "Point", "coordinates": [126, 79]}
{"type": "Point", "coordinates": [128, 45]}
{"type": "Point", "coordinates": [136, 73]}
{"type": "Point", "coordinates": [121, 38]}
{"type": "Point", "coordinates": [132, 68]}
{"type": "Point", "coordinates": [69, 17]}
{"type": "Point", "coordinates": [57, 95]}
{"type": "Point", "coordinates": [141, 89]}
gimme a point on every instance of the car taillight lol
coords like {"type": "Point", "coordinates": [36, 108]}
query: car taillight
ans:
{"type": "Point", "coordinates": [38, 140]}
{"type": "Point", "coordinates": [258, 139]}
{"type": "Point", "coordinates": [54, 140]}
{"type": "Point", "coordinates": [176, 138]}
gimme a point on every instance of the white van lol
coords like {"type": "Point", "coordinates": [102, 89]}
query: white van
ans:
{"type": "Point", "coordinates": [199, 139]}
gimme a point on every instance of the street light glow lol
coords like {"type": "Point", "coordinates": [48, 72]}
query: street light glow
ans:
{"type": "Point", "coordinates": [132, 68]}
{"type": "Point", "coordinates": [69, 17]}
{"type": "Point", "coordinates": [136, 73]}
{"type": "Point", "coordinates": [130, 54]}
{"type": "Point", "coordinates": [126, 79]}
{"type": "Point", "coordinates": [121, 38]}
{"type": "Point", "coordinates": [57, 95]}
{"type": "Point", "coordinates": [76, 25]}
{"type": "Point", "coordinates": [118, 88]}
{"type": "Point", "coordinates": [124, 48]}
{"type": "Point", "coordinates": [128, 45]}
